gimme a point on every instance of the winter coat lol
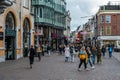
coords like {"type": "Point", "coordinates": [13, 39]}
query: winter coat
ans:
{"type": "Point", "coordinates": [32, 52]}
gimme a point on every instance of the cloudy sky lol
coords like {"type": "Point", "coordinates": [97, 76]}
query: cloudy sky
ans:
{"type": "Point", "coordinates": [81, 8]}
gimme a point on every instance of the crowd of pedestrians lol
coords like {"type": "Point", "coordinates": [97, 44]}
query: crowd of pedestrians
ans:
{"type": "Point", "coordinates": [86, 53]}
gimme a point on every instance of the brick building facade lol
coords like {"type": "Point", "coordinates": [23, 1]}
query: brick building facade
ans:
{"type": "Point", "coordinates": [108, 24]}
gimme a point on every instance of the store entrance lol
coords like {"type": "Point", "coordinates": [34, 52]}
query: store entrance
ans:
{"type": "Point", "coordinates": [10, 48]}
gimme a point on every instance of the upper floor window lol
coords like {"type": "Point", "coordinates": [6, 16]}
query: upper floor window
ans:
{"type": "Point", "coordinates": [102, 29]}
{"type": "Point", "coordinates": [108, 19]}
{"type": "Point", "coordinates": [102, 19]}
{"type": "Point", "coordinates": [108, 30]}
{"type": "Point", "coordinates": [40, 12]}
{"type": "Point", "coordinates": [26, 3]}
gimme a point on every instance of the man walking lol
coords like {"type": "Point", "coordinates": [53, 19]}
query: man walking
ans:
{"type": "Point", "coordinates": [31, 56]}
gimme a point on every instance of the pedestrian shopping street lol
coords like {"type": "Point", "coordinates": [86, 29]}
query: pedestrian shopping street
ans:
{"type": "Point", "coordinates": [54, 68]}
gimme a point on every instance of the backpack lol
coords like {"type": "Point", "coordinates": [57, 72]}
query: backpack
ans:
{"type": "Point", "coordinates": [82, 55]}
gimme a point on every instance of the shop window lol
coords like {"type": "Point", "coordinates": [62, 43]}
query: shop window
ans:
{"type": "Point", "coordinates": [102, 19]}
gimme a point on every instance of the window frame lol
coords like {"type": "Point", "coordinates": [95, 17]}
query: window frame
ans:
{"type": "Point", "coordinates": [108, 28]}
{"type": "Point", "coordinates": [102, 19]}
{"type": "Point", "coordinates": [108, 18]}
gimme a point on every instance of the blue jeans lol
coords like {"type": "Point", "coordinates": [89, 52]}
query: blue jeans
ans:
{"type": "Point", "coordinates": [72, 58]}
{"type": "Point", "coordinates": [103, 54]}
{"type": "Point", "coordinates": [110, 54]}
{"type": "Point", "coordinates": [93, 58]}
{"type": "Point", "coordinates": [49, 52]}
{"type": "Point", "coordinates": [90, 62]}
{"type": "Point", "coordinates": [66, 59]}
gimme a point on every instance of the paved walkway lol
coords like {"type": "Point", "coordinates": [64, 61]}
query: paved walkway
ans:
{"type": "Point", "coordinates": [54, 68]}
{"type": "Point", "coordinates": [117, 55]}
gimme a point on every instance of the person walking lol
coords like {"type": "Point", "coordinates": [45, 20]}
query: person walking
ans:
{"type": "Point", "coordinates": [39, 51]}
{"type": "Point", "coordinates": [49, 50]}
{"type": "Point", "coordinates": [71, 53]}
{"type": "Point", "coordinates": [99, 58]}
{"type": "Point", "coordinates": [67, 53]}
{"type": "Point", "coordinates": [31, 55]}
{"type": "Point", "coordinates": [89, 57]}
{"type": "Point", "coordinates": [43, 49]}
{"type": "Point", "coordinates": [83, 58]}
{"type": "Point", "coordinates": [60, 49]}
{"type": "Point", "coordinates": [94, 52]}
{"type": "Point", "coordinates": [103, 50]}
{"type": "Point", "coordinates": [110, 50]}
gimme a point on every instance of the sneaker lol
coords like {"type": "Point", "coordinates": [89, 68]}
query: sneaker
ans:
{"type": "Point", "coordinates": [93, 67]}
{"type": "Point", "coordinates": [87, 69]}
{"type": "Point", "coordinates": [79, 69]}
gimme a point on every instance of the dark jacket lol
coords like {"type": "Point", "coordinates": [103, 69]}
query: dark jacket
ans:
{"type": "Point", "coordinates": [32, 52]}
{"type": "Point", "coordinates": [103, 49]}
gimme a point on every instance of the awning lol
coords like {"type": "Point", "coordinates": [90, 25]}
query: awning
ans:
{"type": "Point", "coordinates": [108, 38]}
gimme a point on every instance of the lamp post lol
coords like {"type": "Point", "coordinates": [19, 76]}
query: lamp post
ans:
{"type": "Point", "coordinates": [4, 4]}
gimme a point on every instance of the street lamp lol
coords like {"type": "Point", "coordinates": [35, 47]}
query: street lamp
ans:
{"type": "Point", "coordinates": [4, 4]}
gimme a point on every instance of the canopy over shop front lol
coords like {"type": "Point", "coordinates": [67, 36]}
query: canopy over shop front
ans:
{"type": "Point", "coordinates": [108, 38]}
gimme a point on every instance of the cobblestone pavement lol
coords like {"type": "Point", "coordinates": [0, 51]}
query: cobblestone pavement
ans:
{"type": "Point", "coordinates": [54, 68]}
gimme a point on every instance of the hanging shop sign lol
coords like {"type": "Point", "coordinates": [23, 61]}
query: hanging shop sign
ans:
{"type": "Point", "coordinates": [1, 35]}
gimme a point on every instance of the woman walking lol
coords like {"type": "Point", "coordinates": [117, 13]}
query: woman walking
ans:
{"type": "Point", "coordinates": [94, 52]}
{"type": "Point", "coordinates": [71, 53]}
{"type": "Point", "coordinates": [83, 58]}
{"type": "Point", "coordinates": [31, 56]}
{"type": "Point", "coordinates": [39, 51]}
{"type": "Point", "coordinates": [67, 53]}
{"type": "Point", "coordinates": [89, 57]}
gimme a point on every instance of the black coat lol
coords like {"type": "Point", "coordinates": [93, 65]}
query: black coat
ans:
{"type": "Point", "coordinates": [32, 52]}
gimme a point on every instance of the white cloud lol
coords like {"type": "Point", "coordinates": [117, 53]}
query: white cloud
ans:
{"type": "Point", "coordinates": [80, 8]}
